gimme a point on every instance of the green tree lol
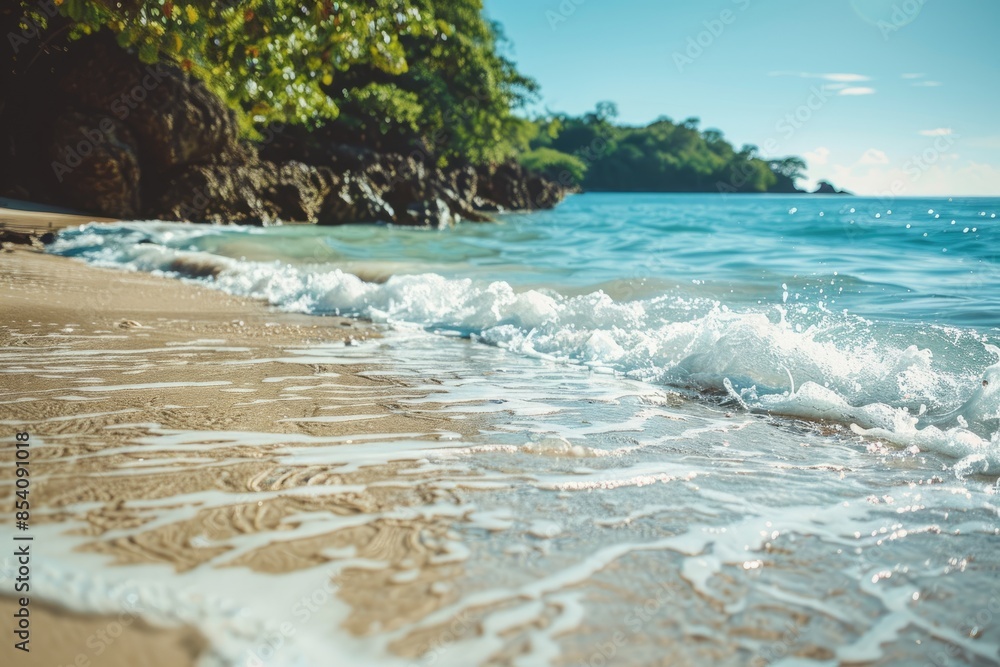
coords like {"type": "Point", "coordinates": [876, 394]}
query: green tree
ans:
{"type": "Point", "coordinates": [787, 171]}
{"type": "Point", "coordinates": [459, 90]}
{"type": "Point", "coordinates": [406, 72]}
{"type": "Point", "coordinates": [566, 169]}
{"type": "Point", "coordinates": [663, 156]}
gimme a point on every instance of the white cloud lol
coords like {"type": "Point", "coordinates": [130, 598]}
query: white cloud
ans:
{"type": "Point", "coordinates": [874, 156]}
{"type": "Point", "coordinates": [908, 180]}
{"type": "Point", "coordinates": [914, 76]}
{"type": "Point", "coordinates": [924, 174]}
{"type": "Point", "coordinates": [926, 84]}
{"type": "Point", "coordinates": [845, 78]}
{"type": "Point", "coordinates": [939, 132]}
{"type": "Point", "coordinates": [836, 77]}
{"type": "Point", "coordinates": [992, 142]}
{"type": "Point", "coordinates": [818, 157]}
{"type": "Point", "coordinates": [858, 90]}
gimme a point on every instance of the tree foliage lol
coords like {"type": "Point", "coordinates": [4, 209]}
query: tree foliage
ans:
{"type": "Point", "coordinates": [556, 165]}
{"type": "Point", "coordinates": [460, 89]}
{"type": "Point", "coordinates": [661, 157]}
{"type": "Point", "coordinates": [410, 75]}
{"type": "Point", "coordinates": [413, 72]}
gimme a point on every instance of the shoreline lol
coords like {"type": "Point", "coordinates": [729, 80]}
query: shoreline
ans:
{"type": "Point", "coordinates": [110, 362]}
{"type": "Point", "coordinates": [41, 221]}
{"type": "Point", "coordinates": [220, 462]}
{"type": "Point", "coordinates": [71, 638]}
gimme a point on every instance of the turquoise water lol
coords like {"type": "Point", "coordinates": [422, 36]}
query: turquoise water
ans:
{"type": "Point", "coordinates": [727, 430]}
{"type": "Point", "coordinates": [930, 260]}
{"type": "Point", "coordinates": [853, 310]}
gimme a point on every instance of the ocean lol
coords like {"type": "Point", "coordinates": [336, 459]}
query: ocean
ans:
{"type": "Point", "coordinates": [738, 429]}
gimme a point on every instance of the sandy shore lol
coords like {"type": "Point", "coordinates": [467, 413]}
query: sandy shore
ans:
{"type": "Point", "coordinates": [101, 640]}
{"type": "Point", "coordinates": [40, 222]}
{"type": "Point", "coordinates": [102, 367]}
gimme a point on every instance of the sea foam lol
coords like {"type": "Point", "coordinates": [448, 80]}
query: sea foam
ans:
{"type": "Point", "coordinates": [829, 367]}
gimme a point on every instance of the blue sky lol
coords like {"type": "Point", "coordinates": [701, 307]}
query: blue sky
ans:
{"type": "Point", "coordinates": [882, 97]}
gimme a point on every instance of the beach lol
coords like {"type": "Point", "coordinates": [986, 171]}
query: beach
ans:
{"type": "Point", "coordinates": [492, 334]}
{"type": "Point", "coordinates": [504, 452]}
{"type": "Point", "coordinates": [93, 360]}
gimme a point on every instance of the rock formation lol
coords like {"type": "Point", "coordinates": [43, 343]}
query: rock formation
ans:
{"type": "Point", "coordinates": [92, 128]}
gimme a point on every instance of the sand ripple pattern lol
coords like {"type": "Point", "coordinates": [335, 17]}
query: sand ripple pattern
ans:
{"type": "Point", "coordinates": [306, 497]}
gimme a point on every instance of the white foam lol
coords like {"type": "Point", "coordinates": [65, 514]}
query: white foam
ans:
{"type": "Point", "coordinates": [843, 371]}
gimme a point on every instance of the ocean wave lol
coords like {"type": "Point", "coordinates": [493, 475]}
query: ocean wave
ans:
{"type": "Point", "coordinates": [814, 365]}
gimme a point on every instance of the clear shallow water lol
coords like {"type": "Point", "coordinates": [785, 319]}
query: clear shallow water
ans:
{"type": "Point", "coordinates": [879, 315]}
{"type": "Point", "coordinates": [683, 465]}
{"type": "Point", "coordinates": [912, 259]}
{"type": "Point", "coordinates": [594, 521]}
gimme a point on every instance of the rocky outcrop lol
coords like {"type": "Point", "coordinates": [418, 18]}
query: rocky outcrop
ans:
{"type": "Point", "coordinates": [9, 239]}
{"type": "Point", "coordinates": [95, 161]}
{"type": "Point", "coordinates": [428, 213]}
{"type": "Point", "coordinates": [128, 140]}
{"type": "Point", "coordinates": [353, 199]}
{"type": "Point", "coordinates": [827, 188]}
{"type": "Point", "coordinates": [509, 186]}
{"type": "Point", "coordinates": [249, 192]}
{"type": "Point", "coordinates": [390, 187]}
{"type": "Point", "coordinates": [176, 120]}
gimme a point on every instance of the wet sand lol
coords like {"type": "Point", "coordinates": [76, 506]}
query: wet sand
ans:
{"type": "Point", "coordinates": [41, 221]}
{"type": "Point", "coordinates": [65, 638]}
{"type": "Point", "coordinates": [143, 393]}
{"type": "Point", "coordinates": [260, 488]}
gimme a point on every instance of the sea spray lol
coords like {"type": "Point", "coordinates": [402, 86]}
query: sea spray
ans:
{"type": "Point", "coordinates": [807, 347]}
